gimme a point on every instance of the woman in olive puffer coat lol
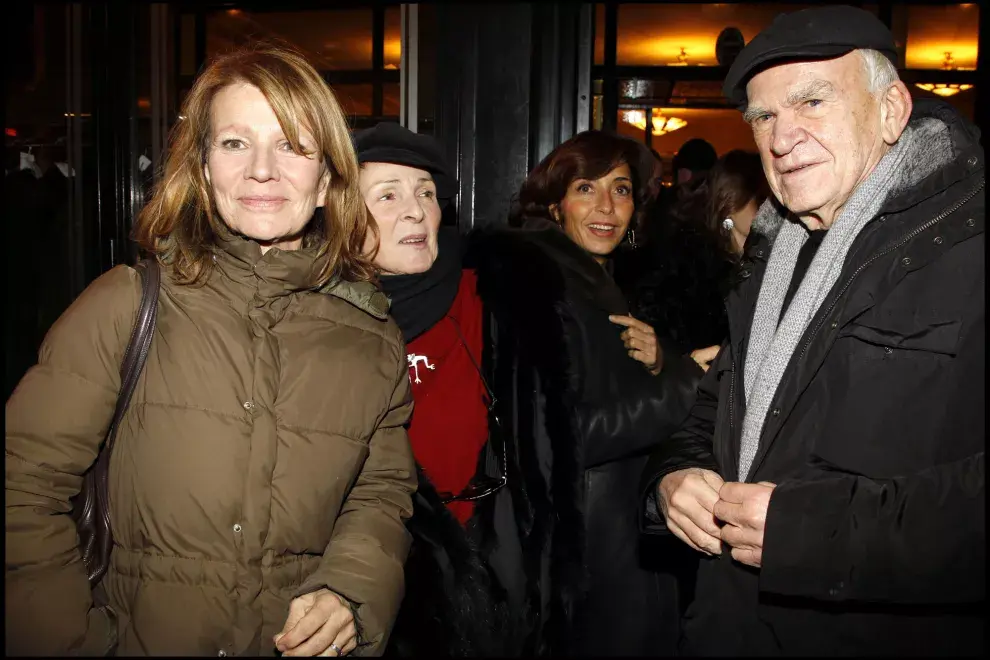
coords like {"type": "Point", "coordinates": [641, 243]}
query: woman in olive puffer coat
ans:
{"type": "Point", "coordinates": [262, 474]}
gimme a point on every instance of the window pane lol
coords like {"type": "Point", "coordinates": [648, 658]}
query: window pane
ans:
{"type": "Point", "coordinates": [600, 34]}
{"type": "Point", "coordinates": [390, 99]}
{"type": "Point", "coordinates": [938, 37]}
{"type": "Point", "coordinates": [685, 34]}
{"type": "Point", "coordinates": [393, 38]}
{"type": "Point", "coordinates": [724, 129]}
{"type": "Point", "coordinates": [354, 99]}
{"type": "Point", "coordinates": [332, 40]}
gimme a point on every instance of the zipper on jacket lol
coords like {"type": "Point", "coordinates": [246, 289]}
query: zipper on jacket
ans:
{"type": "Point", "coordinates": [925, 227]}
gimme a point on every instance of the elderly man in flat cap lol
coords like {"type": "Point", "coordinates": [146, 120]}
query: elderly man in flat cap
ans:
{"type": "Point", "coordinates": [832, 470]}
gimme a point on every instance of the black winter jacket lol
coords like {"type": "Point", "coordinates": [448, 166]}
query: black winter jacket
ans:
{"type": "Point", "coordinates": [583, 416]}
{"type": "Point", "coordinates": [875, 534]}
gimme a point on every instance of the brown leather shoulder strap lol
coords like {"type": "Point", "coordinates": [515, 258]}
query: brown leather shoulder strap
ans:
{"type": "Point", "coordinates": [139, 344]}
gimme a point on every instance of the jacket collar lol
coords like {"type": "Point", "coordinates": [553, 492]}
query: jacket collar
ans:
{"type": "Point", "coordinates": [271, 275]}
{"type": "Point", "coordinates": [278, 273]}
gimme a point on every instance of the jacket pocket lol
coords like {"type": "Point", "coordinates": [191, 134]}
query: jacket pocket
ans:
{"type": "Point", "coordinates": [887, 334]}
{"type": "Point", "coordinates": [101, 633]}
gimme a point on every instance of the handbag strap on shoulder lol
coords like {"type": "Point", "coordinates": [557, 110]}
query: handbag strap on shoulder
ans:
{"type": "Point", "coordinates": [139, 343]}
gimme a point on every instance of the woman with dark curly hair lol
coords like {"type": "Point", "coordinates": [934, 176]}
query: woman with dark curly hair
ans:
{"type": "Point", "coordinates": [586, 389]}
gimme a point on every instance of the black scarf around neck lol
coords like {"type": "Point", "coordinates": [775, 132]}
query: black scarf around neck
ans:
{"type": "Point", "coordinates": [421, 300]}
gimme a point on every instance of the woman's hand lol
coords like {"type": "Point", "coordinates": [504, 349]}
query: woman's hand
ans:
{"type": "Point", "coordinates": [641, 342]}
{"type": "Point", "coordinates": [319, 624]}
{"type": "Point", "coordinates": [704, 356]}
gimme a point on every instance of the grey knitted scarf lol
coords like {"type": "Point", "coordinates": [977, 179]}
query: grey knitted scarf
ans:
{"type": "Point", "coordinates": [771, 345]}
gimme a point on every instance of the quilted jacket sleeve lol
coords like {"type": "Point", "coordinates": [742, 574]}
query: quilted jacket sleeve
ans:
{"type": "Point", "coordinates": [364, 559]}
{"type": "Point", "coordinates": [56, 420]}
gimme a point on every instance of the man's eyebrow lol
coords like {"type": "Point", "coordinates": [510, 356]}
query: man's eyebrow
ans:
{"type": "Point", "coordinates": [753, 112]}
{"type": "Point", "coordinates": [812, 90]}
{"type": "Point", "coordinates": [806, 92]}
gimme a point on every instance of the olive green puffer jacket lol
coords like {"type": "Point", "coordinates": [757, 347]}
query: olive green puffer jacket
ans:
{"type": "Point", "coordinates": [263, 457]}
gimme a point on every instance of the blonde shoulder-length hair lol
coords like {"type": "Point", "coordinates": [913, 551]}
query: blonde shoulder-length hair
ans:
{"type": "Point", "coordinates": [180, 225]}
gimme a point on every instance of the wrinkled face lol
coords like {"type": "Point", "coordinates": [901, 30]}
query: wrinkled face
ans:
{"type": "Point", "coordinates": [819, 133]}
{"type": "Point", "coordinates": [403, 201]}
{"type": "Point", "coordinates": [595, 214]}
{"type": "Point", "coordinates": [263, 190]}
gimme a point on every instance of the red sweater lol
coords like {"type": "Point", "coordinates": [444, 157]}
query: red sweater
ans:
{"type": "Point", "coordinates": [450, 421]}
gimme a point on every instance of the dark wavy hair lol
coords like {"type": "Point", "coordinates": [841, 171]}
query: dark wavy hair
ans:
{"type": "Point", "coordinates": [587, 155]}
{"type": "Point", "coordinates": [736, 180]}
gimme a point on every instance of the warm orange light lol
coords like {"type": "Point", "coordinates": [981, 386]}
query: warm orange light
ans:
{"type": "Point", "coordinates": [233, 12]}
{"type": "Point", "coordinates": [678, 51]}
{"type": "Point", "coordinates": [393, 52]}
{"type": "Point", "coordinates": [943, 89]}
{"type": "Point", "coordinates": [661, 124]}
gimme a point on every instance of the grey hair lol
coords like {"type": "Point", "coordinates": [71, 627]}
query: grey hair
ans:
{"type": "Point", "coordinates": [880, 71]}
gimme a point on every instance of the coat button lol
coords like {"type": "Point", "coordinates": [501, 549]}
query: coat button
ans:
{"type": "Point", "coordinates": [759, 253]}
{"type": "Point", "coordinates": [222, 653]}
{"type": "Point", "coordinates": [237, 528]}
{"type": "Point", "coordinates": [938, 240]}
{"type": "Point", "coordinates": [906, 261]}
{"type": "Point", "coordinates": [248, 405]}
{"type": "Point", "coordinates": [970, 222]}
{"type": "Point", "coordinates": [888, 350]}
{"type": "Point", "coordinates": [835, 324]}
{"type": "Point", "coordinates": [973, 161]}
{"type": "Point", "coordinates": [775, 412]}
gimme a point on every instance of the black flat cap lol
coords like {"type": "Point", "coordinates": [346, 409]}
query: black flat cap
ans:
{"type": "Point", "coordinates": [810, 34]}
{"type": "Point", "coordinates": [388, 142]}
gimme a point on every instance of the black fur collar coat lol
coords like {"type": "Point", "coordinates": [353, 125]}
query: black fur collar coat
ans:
{"type": "Point", "coordinates": [563, 536]}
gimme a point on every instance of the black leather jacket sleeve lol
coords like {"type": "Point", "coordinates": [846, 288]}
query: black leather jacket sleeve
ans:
{"type": "Point", "coordinates": [642, 415]}
{"type": "Point", "coordinates": [689, 446]}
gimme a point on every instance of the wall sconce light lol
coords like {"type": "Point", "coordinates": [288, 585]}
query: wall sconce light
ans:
{"type": "Point", "coordinates": [661, 124]}
{"type": "Point", "coordinates": [943, 89]}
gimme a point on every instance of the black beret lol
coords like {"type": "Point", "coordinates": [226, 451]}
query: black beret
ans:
{"type": "Point", "coordinates": [809, 34]}
{"type": "Point", "coordinates": [388, 142]}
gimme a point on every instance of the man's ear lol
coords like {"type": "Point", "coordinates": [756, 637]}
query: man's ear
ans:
{"type": "Point", "coordinates": [895, 111]}
{"type": "Point", "coordinates": [321, 196]}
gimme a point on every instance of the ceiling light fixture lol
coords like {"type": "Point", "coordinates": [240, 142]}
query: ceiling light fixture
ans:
{"type": "Point", "coordinates": [682, 59]}
{"type": "Point", "coordinates": [661, 124]}
{"type": "Point", "coordinates": [943, 89]}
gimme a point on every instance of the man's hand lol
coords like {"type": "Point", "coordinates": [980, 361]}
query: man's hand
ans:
{"type": "Point", "coordinates": [318, 622]}
{"type": "Point", "coordinates": [641, 342]}
{"type": "Point", "coordinates": [743, 509]}
{"type": "Point", "coordinates": [687, 499]}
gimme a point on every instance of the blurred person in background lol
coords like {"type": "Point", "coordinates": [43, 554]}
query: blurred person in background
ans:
{"type": "Point", "coordinates": [693, 159]}
{"type": "Point", "coordinates": [690, 252]}
{"type": "Point", "coordinates": [736, 187]}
